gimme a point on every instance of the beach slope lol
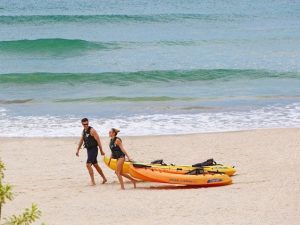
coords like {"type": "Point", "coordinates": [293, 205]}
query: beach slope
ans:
{"type": "Point", "coordinates": [266, 189]}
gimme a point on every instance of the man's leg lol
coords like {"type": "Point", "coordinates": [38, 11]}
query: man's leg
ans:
{"type": "Point", "coordinates": [100, 172]}
{"type": "Point", "coordinates": [91, 172]}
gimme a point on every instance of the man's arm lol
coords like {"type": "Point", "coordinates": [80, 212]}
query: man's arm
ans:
{"type": "Point", "coordinates": [97, 138]}
{"type": "Point", "coordinates": [79, 146]}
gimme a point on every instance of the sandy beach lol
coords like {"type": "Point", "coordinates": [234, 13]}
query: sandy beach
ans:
{"type": "Point", "coordinates": [266, 189]}
{"type": "Point", "coordinates": [184, 81]}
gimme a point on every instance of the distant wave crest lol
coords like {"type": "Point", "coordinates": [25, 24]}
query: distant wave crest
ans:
{"type": "Point", "coordinates": [53, 46]}
{"type": "Point", "coordinates": [116, 18]}
{"type": "Point", "coordinates": [131, 78]}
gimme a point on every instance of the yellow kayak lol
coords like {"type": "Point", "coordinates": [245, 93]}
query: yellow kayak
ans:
{"type": "Point", "coordinates": [112, 164]}
{"type": "Point", "coordinates": [218, 168]}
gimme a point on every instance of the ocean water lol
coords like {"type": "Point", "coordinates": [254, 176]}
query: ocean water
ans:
{"type": "Point", "coordinates": [148, 67]}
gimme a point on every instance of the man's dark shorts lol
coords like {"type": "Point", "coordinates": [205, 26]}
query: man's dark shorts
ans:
{"type": "Point", "coordinates": [92, 154]}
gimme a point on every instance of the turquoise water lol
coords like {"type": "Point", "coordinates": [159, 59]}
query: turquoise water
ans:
{"type": "Point", "coordinates": [156, 66]}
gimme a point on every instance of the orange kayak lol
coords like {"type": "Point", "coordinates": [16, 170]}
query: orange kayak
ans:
{"type": "Point", "coordinates": [157, 175]}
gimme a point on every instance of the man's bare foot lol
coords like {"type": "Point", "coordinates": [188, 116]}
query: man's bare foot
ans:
{"type": "Point", "coordinates": [104, 181]}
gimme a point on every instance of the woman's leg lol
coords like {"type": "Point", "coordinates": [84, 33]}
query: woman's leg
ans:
{"type": "Point", "coordinates": [130, 178]}
{"type": "Point", "coordinates": [120, 163]}
{"type": "Point", "coordinates": [125, 175]}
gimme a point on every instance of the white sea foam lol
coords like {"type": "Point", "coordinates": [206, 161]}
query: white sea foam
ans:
{"type": "Point", "coordinates": [2, 112]}
{"type": "Point", "coordinates": [50, 126]}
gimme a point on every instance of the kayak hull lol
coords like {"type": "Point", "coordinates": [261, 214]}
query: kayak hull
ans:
{"type": "Point", "coordinates": [156, 175]}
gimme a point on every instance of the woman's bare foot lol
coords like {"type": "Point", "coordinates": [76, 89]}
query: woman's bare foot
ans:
{"type": "Point", "coordinates": [104, 181]}
{"type": "Point", "coordinates": [92, 183]}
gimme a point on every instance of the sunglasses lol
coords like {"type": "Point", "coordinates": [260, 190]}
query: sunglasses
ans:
{"type": "Point", "coordinates": [85, 124]}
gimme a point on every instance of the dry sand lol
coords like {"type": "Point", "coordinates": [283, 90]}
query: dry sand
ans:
{"type": "Point", "coordinates": [266, 189]}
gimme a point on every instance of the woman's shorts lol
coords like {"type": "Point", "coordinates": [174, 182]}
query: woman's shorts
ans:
{"type": "Point", "coordinates": [117, 155]}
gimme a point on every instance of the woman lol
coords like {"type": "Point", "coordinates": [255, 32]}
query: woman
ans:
{"type": "Point", "coordinates": [119, 153]}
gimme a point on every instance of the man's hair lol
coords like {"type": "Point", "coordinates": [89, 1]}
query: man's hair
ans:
{"type": "Point", "coordinates": [84, 120]}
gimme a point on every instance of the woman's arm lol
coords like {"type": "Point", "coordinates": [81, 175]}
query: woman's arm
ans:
{"type": "Point", "coordinates": [119, 143]}
{"type": "Point", "coordinates": [109, 160]}
{"type": "Point", "coordinates": [79, 145]}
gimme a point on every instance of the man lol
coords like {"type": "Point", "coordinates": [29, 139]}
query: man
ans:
{"type": "Point", "coordinates": [91, 141]}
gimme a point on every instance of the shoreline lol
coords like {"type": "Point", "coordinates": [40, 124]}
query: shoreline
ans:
{"type": "Point", "coordinates": [159, 135]}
